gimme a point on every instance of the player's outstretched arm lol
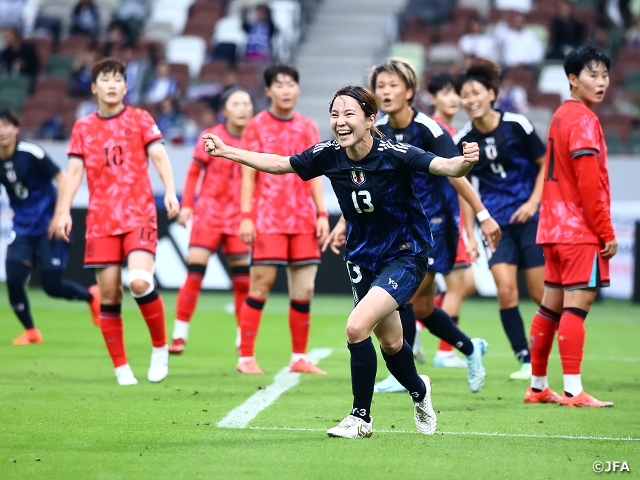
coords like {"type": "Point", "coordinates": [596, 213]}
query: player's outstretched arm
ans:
{"type": "Point", "coordinates": [66, 193]}
{"type": "Point", "coordinates": [456, 166]}
{"type": "Point", "coordinates": [160, 160]}
{"type": "Point", "coordinates": [265, 162]}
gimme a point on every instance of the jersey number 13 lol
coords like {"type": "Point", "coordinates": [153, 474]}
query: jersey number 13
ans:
{"type": "Point", "coordinates": [362, 196]}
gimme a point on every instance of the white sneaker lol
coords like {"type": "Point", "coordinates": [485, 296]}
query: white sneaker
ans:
{"type": "Point", "coordinates": [449, 360]}
{"type": "Point", "coordinates": [423, 413]}
{"type": "Point", "coordinates": [159, 367]}
{"type": "Point", "coordinates": [124, 375]}
{"type": "Point", "coordinates": [352, 427]}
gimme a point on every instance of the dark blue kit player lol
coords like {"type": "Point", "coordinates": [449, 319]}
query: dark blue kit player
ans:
{"type": "Point", "coordinates": [388, 240]}
{"type": "Point", "coordinates": [27, 174]}
{"type": "Point", "coordinates": [510, 174]}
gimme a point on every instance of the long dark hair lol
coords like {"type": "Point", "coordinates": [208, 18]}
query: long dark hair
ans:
{"type": "Point", "coordinates": [365, 98]}
{"type": "Point", "coordinates": [481, 70]}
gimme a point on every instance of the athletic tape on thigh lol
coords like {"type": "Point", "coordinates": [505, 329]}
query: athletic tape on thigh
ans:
{"type": "Point", "coordinates": [140, 274]}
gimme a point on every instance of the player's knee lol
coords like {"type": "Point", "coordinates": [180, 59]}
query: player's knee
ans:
{"type": "Point", "coordinates": [17, 273]}
{"type": "Point", "coordinates": [111, 295]}
{"type": "Point", "coordinates": [391, 344]}
{"type": "Point", "coordinates": [138, 287]}
{"type": "Point", "coordinates": [302, 293]}
{"type": "Point", "coordinates": [140, 282]}
{"type": "Point", "coordinates": [507, 294]}
{"type": "Point", "coordinates": [355, 332]}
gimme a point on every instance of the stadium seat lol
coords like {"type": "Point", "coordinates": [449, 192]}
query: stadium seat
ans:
{"type": "Point", "coordinates": [200, 27]}
{"type": "Point", "coordinates": [176, 15]}
{"type": "Point", "coordinates": [187, 49]}
{"type": "Point", "coordinates": [462, 14]}
{"type": "Point", "coordinates": [523, 76]}
{"type": "Point", "coordinates": [60, 10]}
{"type": "Point", "coordinates": [206, 9]}
{"type": "Point", "coordinates": [12, 97]}
{"type": "Point", "coordinates": [44, 100]}
{"type": "Point", "coordinates": [522, 6]}
{"type": "Point", "coordinates": [214, 71]}
{"type": "Point", "coordinates": [414, 53]}
{"type": "Point", "coordinates": [423, 36]}
{"type": "Point", "coordinates": [446, 53]}
{"type": "Point", "coordinates": [159, 30]}
{"type": "Point", "coordinates": [59, 66]}
{"type": "Point", "coordinates": [546, 100]}
{"type": "Point", "coordinates": [229, 30]}
{"type": "Point", "coordinates": [554, 80]}
{"type": "Point", "coordinates": [73, 45]}
{"type": "Point", "coordinates": [51, 84]}
{"type": "Point", "coordinates": [451, 33]}
{"type": "Point", "coordinates": [483, 7]}
{"type": "Point", "coordinates": [632, 80]}
{"type": "Point", "coordinates": [31, 119]}
{"type": "Point", "coordinates": [181, 73]}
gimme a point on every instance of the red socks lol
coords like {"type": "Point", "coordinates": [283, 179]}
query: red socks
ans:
{"type": "Point", "coordinates": [543, 330]}
{"type": "Point", "coordinates": [152, 309]}
{"type": "Point", "coordinates": [571, 335]}
{"type": "Point", "coordinates": [444, 346]}
{"type": "Point", "coordinates": [189, 293]}
{"type": "Point", "coordinates": [299, 323]}
{"type": "Point", "coordinates": [111, 326]}
{"type": "Point", "coordinates": [240, 281]}
{"type": "Point", "coordinates": [250, 316]}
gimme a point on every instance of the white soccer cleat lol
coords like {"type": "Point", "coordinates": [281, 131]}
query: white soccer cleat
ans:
{"type": "Point", "coordinates": [476, 371]}
{"type": "Point", "coordinates": [124, 375]}
{"type": "Point", "coordinates": [423, 412]}
{"type": "Point", "coordinates": [449, 360]}
{"type": "Point", "coordinates": [389, 385]}
{"type": "Point", "coordinates": [352, 427]}
{"type": "Point", "coordinates": [418, 351]}
{"type": "Point", "coordinates": [159, 367]}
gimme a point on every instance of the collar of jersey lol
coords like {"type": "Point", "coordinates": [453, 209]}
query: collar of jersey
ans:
{"type": "Point", "coordinates": [108, 117]}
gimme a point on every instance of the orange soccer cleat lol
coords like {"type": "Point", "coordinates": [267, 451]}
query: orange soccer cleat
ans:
{"type": "Point", "coordinates": [31, 335]}
{"type": "Point", "coordinates": [305, 366]}
{"type": "Point", "coordinates": [249, 367]}
{"type": "Point", "coordinates": [583, 400]}
{"type": "Point", "coordinates": [545, 396]}
{"type": "Point", "coordinates": [94, 304]}
{"type": "Point", "coordinates": [177, 346]}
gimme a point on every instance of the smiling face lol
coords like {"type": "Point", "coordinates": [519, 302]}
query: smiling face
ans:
{"type": "Point", "coordinates": [348, 122]}
{"type": "Point", "coordinates": [110, 88]}
{"type": "Point", "coordinates": [283, 93]}
{"type": "Point", "coordinates": [476, 99]}
{"type": "Point", "coordinates": [392, 93]}
{"type": "Point", "coordinates": [592, 83]}
{"type": "Point", "coordinates": [238, 109]}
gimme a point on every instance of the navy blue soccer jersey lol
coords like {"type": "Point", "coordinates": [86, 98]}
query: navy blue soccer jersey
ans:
{"type": "Point", "coordinates": [385, 219]}
{"type": "Point", "coordinates": [438, 197]}
{"type": "Point", "coordinates": [27, 176]}
{"type": "Point", "coordinates": [507, 170]}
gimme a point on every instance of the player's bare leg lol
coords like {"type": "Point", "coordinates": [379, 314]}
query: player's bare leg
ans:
{"type": "Point", "coordinates": [262, 278]}
{"type": "Point", "coordinates": [141, 283]}
{"type": "Point", "coordinates": [506, 278]}
{"type": "Point", "coordinates": [188, 295]}
{"type": "Point", "coordinates": [301, 281]}
{"type": "Point", "coordinates": [535, 283]}
{"type": "Point", "coordinates": [240, 282]}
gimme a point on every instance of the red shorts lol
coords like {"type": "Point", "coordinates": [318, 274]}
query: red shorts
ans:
{"type": "Point", "coordinates": [570, 267]}
{"type": "Point", "coordinates": [112, 250]}
{"type": "Point", "coordinates": [463, 260]}
{"type": "Point", "coordinates": [232, 246]}
{"type": "Point", "coordinates": [284, 249]}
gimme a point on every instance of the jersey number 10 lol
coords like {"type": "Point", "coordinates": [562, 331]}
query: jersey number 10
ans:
{"type": "Point", "coordinates": [366, 199]}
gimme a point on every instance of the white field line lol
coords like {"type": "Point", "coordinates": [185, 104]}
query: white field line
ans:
{"type": "Point", "coordinates": [479, 434]}
{"type": "Point", "coordinates": [240, 416]}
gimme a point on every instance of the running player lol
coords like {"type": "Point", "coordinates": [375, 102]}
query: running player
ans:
{"type": "Point", "coordinates": [575, 230]}
{"type": "Point", "coordinates": [216, 217]}
{"type": "Point", "coordinates": [394, 84]}
{"type": "Point", "coordinates": [112, 145]}
{"type": "Point", "coordinates": [26, 172]}
{"type": "Point", "coordinates": [283, 218]}
{"type": "Point", "coordinates": [510, 172]}
{"type": "Point", "coordinates": [388, 240]}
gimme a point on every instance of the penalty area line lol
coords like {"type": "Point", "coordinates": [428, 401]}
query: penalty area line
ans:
{"type": "Point", "coordinates": [284, 380]}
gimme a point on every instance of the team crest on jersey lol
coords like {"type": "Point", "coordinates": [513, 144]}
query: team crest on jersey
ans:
{"type": "Point", "coordinates": [11, 176]}
{"type": "Point", "coordinates": [399, 137]}
{"type": "Point", "coordinates": [8, 165]}
{"type": "Point", "coordinates": [357, 176]}
{"type": "Point", "coordinates": [490, 149]}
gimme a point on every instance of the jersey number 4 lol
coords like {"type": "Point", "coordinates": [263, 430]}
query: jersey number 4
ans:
{"type": "Point", "coordinates": [114, 157]}
{"type": "Point", "coordinates": [365, 197]}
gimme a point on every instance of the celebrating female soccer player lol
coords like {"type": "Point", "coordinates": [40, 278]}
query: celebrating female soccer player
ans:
{"type": "Point", "coordinates": [388, 240]}
{"type": "Point", "coordinates": [216, 217]}
{"type": "Point", "coordinates": [511, 173]}
{"type": "Point", "coordinates": [394, 84]}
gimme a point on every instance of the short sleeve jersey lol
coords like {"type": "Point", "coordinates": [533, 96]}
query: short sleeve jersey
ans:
{"type": "Point", "coordinates": [27, 176]}
{"type": "Point", "coordinates": [217, 208]}
{"type": "Point", "coordinates": [281, 203]}
{"type": "Point", "coordinates": [449, 128]}
{"type": "Point", "coordinates": [507, 168]}
{"type": "Point", "coordinates": [385, 220]}
{"type": "Point", "coordinates": [438, 197]}
{"type": "Point", "coordinates": [574, 131]}
{"type": "Point", "coordinates": [114, 152]}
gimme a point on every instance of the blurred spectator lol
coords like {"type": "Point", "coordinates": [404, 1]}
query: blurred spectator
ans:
{"type": "Point", "coordinates": [566, 31]}
{"type": "Point", "coordinates": [171, 121]}
{"type": "Point", "coordinates": [260, 31]}
{"type": "Point", "coordinates": [519, 45]}
{"type": "Point", "coordinates": [11, 13]}
{"type": "Point", "coordinates": [476, 43]}
{"type": "Point", "coordinates": [633, 35]}
{"type": "Point", "coordinates": [85, 19]}
{"type": "Point", "coordinates": [609, 39]}
{"type": "Point", "coordinates": [163, 84]}
{"type": "Point", "coordinates": [616, 11]}
{"type": "Point", "coordinates": [118, 35]}
{"type": "Point", "coordinates": [427, 12]}
{"type": "Point", "coordinates": [136, 72]}
{"type": "Point", "coordinates": [81, 77]}
{"type": "Point", "coordinates": [512, 98]}
{"type": "Point", "coordinates": [18, 58]}
{"type": "Point", "coordinates": [86, 108]}
{"type": "Point", "coordinates": [137, 10]}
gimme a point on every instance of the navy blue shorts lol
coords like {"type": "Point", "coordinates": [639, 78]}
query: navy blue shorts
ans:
{"type": "Point", "coordinates": [444, 251]}
{"type": "Point", "coordinates": [39, 250]}
{"type": "Point", "coordinates": [518, 246]}
{"type": "Point", "coordinates": [400, 278]}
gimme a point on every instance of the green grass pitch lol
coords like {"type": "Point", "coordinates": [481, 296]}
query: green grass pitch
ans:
{"type": "Point", "coordinates": [63, 416]}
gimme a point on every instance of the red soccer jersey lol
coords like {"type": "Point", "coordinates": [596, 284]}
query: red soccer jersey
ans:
{"type": "Point", "coordinates": [114, 152]}
{"type": "Point", "coordinates": [218, 206]}
{"type": "Point", "coordinates": [575, 205]}
{"type": "Point", "coordinates": [282, 203]}
{"type": "Point", "coordinates": [450, 130]}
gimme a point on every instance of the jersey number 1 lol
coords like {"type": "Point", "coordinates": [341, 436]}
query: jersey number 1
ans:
{"type": "Point", "coordinates": [115, 158]}
{"type": "Point", "coordinates": [366, 199]}
{"type": "Point", "coordinates": [550, 177]}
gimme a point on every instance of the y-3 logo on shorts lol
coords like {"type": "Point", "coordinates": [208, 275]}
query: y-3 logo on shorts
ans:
{"type": "Point", "coordinates": [393, 283]}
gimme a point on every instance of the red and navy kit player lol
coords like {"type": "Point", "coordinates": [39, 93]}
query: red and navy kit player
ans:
{"type": "Point", "coordinates": [388, 240]}
{"type": "Point", "coordinates": [575, 230]}
{"type": "Point", "coordinates": [27, 174]}
{"type": "Point", "coordinates": [283, 219]}
{"type": "Point", "coordinates": [216, 215]}
{"type": "Point", "coordinates": [394, 84]}
{"type": "Point", "coordinates": [510, 174]}
{"type": "Point", "coordinates": [113, 146]}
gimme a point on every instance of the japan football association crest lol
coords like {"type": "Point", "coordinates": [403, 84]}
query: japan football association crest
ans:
{"type": "Point", "coordinates": [357, 176]}
{"type": "Point", "coordinates": [490, 149]}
